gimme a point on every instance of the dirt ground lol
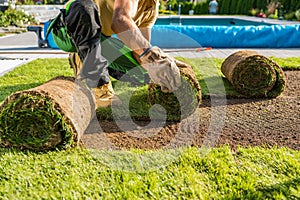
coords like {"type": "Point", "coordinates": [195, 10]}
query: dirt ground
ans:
{"type": "Point", "coordinates": [217, 122]}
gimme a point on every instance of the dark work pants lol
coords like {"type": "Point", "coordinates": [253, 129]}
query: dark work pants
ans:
{"type": "Point", "coordinates": [83, 25]}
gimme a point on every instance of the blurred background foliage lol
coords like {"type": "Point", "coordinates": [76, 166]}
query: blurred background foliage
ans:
{"type": "Point", "coordinates": [275, 9]}
{"type": "Point", "coordinates": [283, 9]}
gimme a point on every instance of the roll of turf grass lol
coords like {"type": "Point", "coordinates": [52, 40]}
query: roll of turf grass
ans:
{"type": "Point", "coordinates": [53, 115]}
{"type": "Point", "coordinates": [181, 103]}
{"type": "Point", "coordinates": [254, 75]}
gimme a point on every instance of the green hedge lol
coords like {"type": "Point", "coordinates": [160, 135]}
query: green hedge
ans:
{"type": "Point", "coordinates": [201, 8]}
{"type": "Point", "coordinates": [233, 7]}
{"type": "Point", "coordinates": [244, 6]}
{"type": "Point", "coordinates": [186, 6]}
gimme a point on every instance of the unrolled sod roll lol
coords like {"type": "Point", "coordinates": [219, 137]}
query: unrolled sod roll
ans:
{"type": "Point", "coordinates": [254, 75]}
{"type": "Point", "coordinates": [181, 103]}
{"type": "Point", "coordinates": [50, 116]}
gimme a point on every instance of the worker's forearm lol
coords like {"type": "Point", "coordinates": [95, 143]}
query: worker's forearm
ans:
{"type": "Point", "coordinates": [130, 34]}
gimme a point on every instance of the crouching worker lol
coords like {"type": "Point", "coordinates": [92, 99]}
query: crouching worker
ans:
{"type": "Point", "coordinates": [97, 54]}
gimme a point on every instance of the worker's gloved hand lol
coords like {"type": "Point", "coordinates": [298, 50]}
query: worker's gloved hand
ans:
{"type": "Point", "coordinates": [181, 64]}
{"type": "Point", "coordinates": [161, 68]}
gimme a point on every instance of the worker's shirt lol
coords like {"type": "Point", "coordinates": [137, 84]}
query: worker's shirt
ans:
{"type": "Point", "coordinates": [144, 17]}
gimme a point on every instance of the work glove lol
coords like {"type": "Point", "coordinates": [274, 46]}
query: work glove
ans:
{"type": "Point", "coordinates": [161, 68]}
{"type": "Point", "coordinates": [181, 64]}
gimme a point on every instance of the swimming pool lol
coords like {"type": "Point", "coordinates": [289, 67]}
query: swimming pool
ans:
{"type": "Point", "coordinates": [220, 32]}
{"type": "Point", "coordinates": [224, 32]}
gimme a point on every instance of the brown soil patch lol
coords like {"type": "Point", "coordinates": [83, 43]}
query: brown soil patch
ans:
{"type": "Point", "coordinates": [234, 122]}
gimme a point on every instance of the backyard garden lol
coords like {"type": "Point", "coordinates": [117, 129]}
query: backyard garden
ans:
{"type": "Point", "coordinates": [231, 146]}
{"type": "Point", "coordinates": [253, 155]}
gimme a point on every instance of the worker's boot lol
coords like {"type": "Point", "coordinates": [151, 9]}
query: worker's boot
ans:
{"type": "Point", "coordinates": [105, 96]}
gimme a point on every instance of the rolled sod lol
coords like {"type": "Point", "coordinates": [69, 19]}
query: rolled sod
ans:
{"type": "Point", "coordinates": [181, 103]}
{"type": "Point", "coordinates": [51, 116]}
{"type": "Point", "coordinates": [254, 75]}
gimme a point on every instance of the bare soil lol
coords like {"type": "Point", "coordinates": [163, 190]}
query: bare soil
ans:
{"type": "Point", "coordinates": [233, 122]}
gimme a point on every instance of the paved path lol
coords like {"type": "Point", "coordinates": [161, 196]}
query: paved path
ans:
{"type": "Point", "coordinates": [223, 53]}
{"type": "Point", "coordinates": [16, 50]}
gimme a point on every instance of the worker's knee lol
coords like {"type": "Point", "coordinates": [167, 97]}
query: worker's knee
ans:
{"type": "Point", "coordinates": [83, 12]}
{"type": "Point", "coordinates": [83, 22]}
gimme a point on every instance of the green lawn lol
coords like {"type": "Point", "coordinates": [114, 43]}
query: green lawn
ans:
{"type": "Point", "coordinates": [189, 173]}
{"type": "Point", "coordinates": [252, 173]}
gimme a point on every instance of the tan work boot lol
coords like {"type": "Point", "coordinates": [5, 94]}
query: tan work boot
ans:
{"type": "Point", "coordinates": [105, 96]}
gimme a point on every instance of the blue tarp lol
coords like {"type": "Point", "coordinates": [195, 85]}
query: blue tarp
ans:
{"type": "Point", "coordinates": [273, 36]}
{"type": "Point", "coordinates": [49, 39]}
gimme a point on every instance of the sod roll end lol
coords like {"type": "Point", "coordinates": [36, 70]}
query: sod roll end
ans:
{"type": "Point", "coordinates": [51, 116]}
{"type": "Point", "coordinates": [254, 75]}
{"type": "Point", "coordinates": [182, 102]}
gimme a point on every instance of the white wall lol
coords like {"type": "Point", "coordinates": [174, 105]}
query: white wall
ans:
{"type": "Point", "coordinates": [42, 13]}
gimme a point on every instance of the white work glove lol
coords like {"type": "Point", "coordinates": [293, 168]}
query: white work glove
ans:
{"type": "Point", "coordinates": [161, 68]}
